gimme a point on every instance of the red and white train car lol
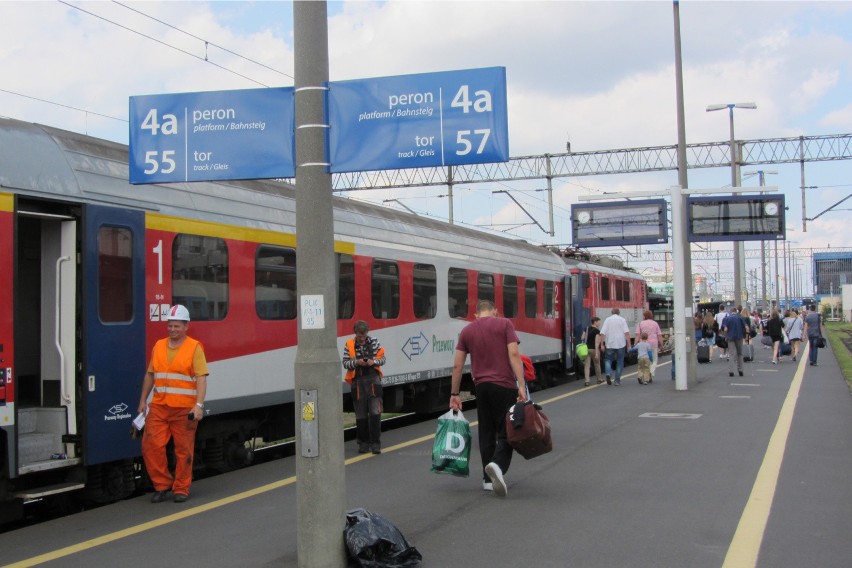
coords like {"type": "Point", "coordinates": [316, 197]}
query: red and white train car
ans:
{"type": "Point", "coordinates": [90, 262]}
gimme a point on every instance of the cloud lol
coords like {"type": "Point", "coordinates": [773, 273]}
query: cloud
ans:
{"type": "Point", "coordinates": [839, 119]}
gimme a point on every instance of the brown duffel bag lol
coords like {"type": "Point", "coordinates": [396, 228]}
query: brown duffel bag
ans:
{"type": "Point", "coordinates": [532, 437]}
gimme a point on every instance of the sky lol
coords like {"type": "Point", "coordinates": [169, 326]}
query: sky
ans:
{"type": "Point", "coordinates": [599, 75]}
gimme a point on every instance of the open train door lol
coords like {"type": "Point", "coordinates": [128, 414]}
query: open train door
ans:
{"type": "Point", "coordinates": [114, 356]}
{"type": "Point", "coordinates": [568, 322]}
{"type": "Point", "coordinates": [7, 391]}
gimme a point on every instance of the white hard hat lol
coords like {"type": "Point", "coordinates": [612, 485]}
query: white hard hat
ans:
{"type": "Point", "coordinates": [178, 312]}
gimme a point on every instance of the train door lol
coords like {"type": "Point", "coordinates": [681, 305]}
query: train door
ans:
{"type": "Point", "coordinates": [45, 337]}
{"type": "Point", "coordinates": [568, 318]}
{"type": "Point", "coordinates": [7, 345]}
{"type": "Point", "coordinates": [114, 311]}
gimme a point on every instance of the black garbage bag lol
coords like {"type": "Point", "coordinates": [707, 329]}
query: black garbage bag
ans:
{"type": "Point", "coordinates": [374, 542]}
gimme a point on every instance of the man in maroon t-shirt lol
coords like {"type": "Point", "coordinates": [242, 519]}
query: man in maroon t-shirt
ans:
{"type": "Point", "coordinates": [498, 379]}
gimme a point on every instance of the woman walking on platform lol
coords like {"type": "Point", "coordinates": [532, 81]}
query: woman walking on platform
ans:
{"type": "Point", "coordinates": [794, 326]}
{"type": "Point", "coordinates": [709, 328]}
{"type": "Point", "coordinates": [775, 328]}
{"type": "Point", "coordinates": [655, 336]}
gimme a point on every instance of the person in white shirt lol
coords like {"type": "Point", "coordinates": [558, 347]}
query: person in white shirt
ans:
{"type": "Point", "coordinates": [616, 336]}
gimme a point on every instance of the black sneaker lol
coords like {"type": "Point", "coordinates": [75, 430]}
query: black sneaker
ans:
{"type": "Point", "coordinates": [608, 380]}
{"type": "Point", "coordinates": [741, 373]}
{"type": "Point", "coordinates": [181, 497]}
{"type": "Point", "coordinates": [376, 448]}
{"type": "Point", "coordinates": [160, 496]}
{"type": "Point", "coordinates": [731, 374]}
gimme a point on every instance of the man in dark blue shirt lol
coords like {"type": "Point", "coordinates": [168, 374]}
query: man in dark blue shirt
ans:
{"type": "Point", "coordinates": [735, 329]}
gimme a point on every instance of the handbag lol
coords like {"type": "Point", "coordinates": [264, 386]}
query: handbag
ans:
{"type": "Point", "coordinates": [582, 351]}
{"type": "Point", "coordinates": [529, 432]}
{"type": "Point", "coordinates": [821, 342]}
{"type": "Point", "coordinates": [451, 449]}
{"type": "Point", "coordinates": [786, 337]}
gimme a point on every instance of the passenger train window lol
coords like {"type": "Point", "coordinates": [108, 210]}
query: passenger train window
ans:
{"type": "Point", "coordinates": [485, 287]}
{"type": "Point", "coordinates": [200, 276]}
{"type": "Point", "coordinates": [115, 275]}
{"type": "Point", "coordinates": [457, 292]}
{"type": "Point", "coordinates": [346, 286]}
{"type": "Point", "coordinates": [510, 296]}
{"type": "Point", "coordinates": [530, 298]}
{"type": "Point", "coordinates": [549, 301]}
{"type": "Point", "coordinates": [425, 291]}
{"type": "Point", "coordinates": [604, 288]}
{"type": "Point", "coordinates": [626, 293]}
{"type": "Point", "coordinates": [275, 283]}
{"type": "Point", "coordinates": [385, 291]}
{"type": "Point", "coordinates": [619, 291]}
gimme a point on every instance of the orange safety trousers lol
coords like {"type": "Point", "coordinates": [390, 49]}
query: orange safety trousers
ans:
{"type": "Point", "coordinates": [162, 423]}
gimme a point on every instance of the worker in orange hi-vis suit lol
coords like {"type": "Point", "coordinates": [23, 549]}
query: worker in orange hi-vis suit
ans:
{"type": "Point", "coordinates": [177, 374]}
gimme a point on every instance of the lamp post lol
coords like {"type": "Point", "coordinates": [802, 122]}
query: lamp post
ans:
{"type": "Point", "coordinates": [788, 288]}
{"type": "Point", "coordinates": [764, 298]}
{"type": "Point", "coordinates": [735, 182]}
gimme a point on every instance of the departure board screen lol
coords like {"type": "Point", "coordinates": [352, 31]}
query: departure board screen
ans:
{"type": "Point", "coordinates": [736, 218]}
{"type": "Point", "coordinates": [620, 223]}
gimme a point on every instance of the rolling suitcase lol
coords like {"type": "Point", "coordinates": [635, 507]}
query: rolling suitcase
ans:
{"type": "Point", "coordinates": [748, 352]}
{"type": "Point", "coordinates": [703, 353]}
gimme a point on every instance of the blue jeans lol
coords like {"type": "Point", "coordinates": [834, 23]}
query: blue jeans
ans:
{"type": "Point", "coordinates": [608, 356]}
{"type": "Point", "coordinates": [812, 341]}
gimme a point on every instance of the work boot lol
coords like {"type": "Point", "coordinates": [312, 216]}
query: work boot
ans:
{"type": "Point", "coordinates": [362, 431]}
{"type": "Point", "coordinates": [375, 421]}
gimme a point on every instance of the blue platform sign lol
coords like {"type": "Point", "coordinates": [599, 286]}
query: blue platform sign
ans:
{"type": "Point", "coordinates": [217, 135]}
{"type": "Point", "coordinates": [418, 121]}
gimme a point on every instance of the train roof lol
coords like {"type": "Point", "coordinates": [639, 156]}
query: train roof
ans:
{"type": "Point", "coordinates": [46, 162]}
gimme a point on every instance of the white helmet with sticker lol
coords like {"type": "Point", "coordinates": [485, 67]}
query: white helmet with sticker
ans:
{"type": "Point", "coordinates": [178, 312]}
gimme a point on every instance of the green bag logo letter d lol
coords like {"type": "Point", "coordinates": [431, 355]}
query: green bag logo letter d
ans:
{"type": "Point", "coordinates": [454, 443]}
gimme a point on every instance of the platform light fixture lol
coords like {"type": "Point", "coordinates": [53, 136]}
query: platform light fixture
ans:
{"type": "Point", "coordinates": [738, 247]}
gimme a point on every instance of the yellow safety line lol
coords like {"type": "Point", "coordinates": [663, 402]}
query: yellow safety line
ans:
{"type": "Point", "coordinates": [745, 546]}
{"type": "Point", "coordinates": [130, 531]}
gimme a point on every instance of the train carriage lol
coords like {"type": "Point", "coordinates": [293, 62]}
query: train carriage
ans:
{"type": "Point", "coordinates": [594, 289]}
{"type": "Point", "coordinates": [91, 264]}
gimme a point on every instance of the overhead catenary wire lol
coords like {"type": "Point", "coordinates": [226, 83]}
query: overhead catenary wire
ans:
{"type": "Point", "coordinates": [206, 42]}
{"type": "Point", "coordinates": [62, 105]}
{"type": "Point", "coordinates": [161, 42]}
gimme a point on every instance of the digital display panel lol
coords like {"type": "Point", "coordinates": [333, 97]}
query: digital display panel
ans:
{"type": "Point", "coordinates": [620, 223]}
{"type": "Point", "coordinates": [735, 218]}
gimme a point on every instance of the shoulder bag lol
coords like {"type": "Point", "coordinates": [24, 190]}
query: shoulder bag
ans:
{"type": "Point", "coordinates": [582, 349]}
{"type": "Point", "coordinates": [528, 430]}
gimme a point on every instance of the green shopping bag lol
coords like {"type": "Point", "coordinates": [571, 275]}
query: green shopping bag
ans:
{"type": "Point", "coordinates": [451, 450]}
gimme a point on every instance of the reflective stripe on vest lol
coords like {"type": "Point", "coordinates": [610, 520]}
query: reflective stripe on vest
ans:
{"type": "Point", "coordinates": [174, 383]}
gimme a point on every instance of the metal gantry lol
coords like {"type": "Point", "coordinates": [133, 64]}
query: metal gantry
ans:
{"type": "Point", "coordinates": [799, 149]}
